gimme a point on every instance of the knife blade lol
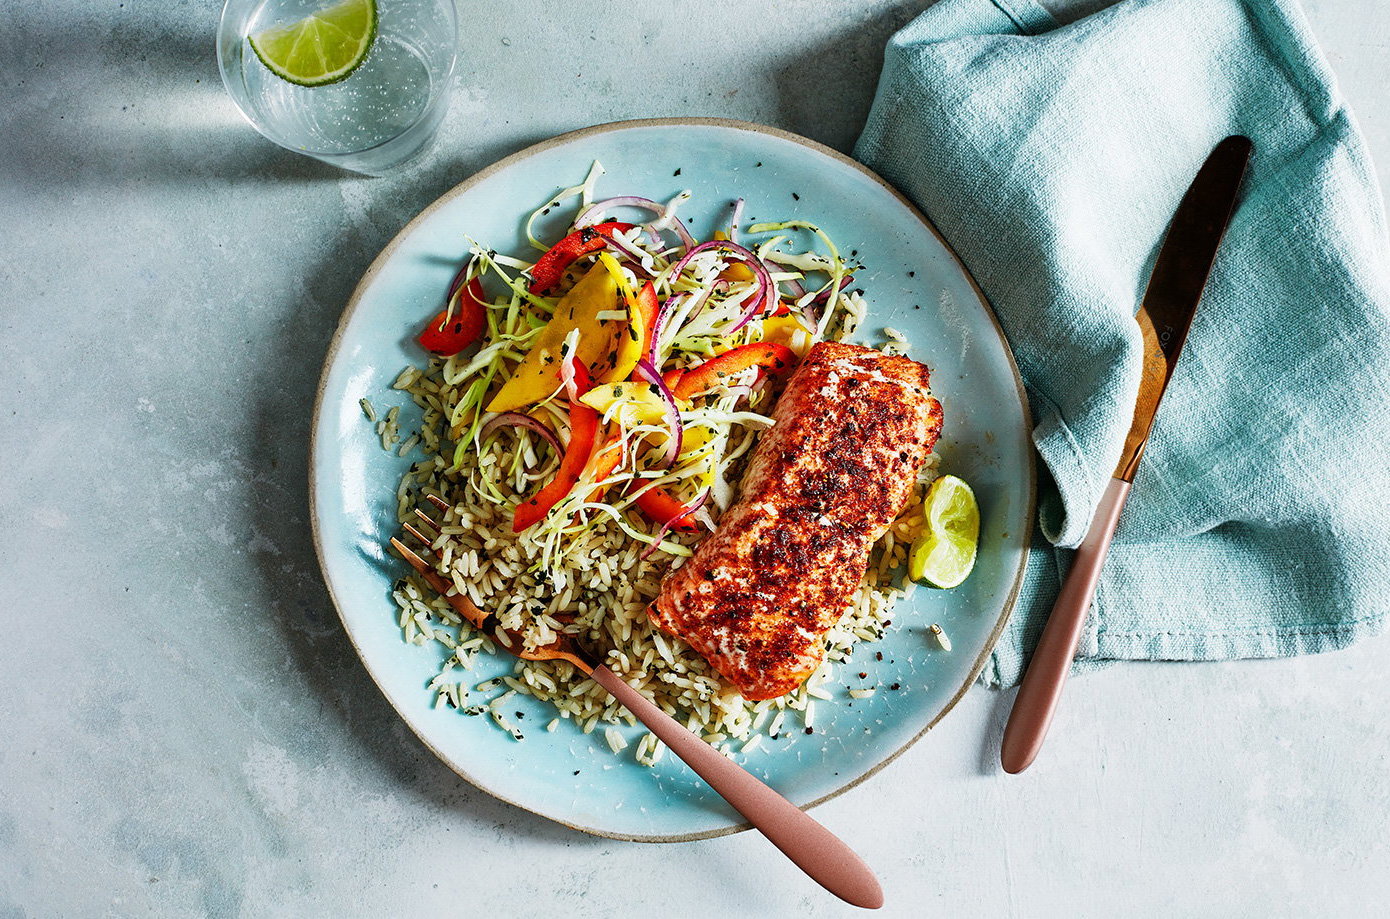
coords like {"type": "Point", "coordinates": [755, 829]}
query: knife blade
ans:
{"type": "Point", "coordinates": [1175, 286]}
{"type": "Point", "coordinates": [1170, 301]}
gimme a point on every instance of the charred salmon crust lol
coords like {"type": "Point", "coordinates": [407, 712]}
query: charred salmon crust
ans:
{"type": "Point", "coordinates": [851, 431]}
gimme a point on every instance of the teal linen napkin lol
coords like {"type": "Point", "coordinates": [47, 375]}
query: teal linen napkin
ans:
{"type": "Point", "coordinates": [1052, 158]}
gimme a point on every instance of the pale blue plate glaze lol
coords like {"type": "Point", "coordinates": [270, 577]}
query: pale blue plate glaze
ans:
{"type": "Point", "coordinates": [353, 481]}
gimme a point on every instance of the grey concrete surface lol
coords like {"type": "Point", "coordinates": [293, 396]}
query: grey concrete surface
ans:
{"type": "Point", "coordinates": [185, 731]}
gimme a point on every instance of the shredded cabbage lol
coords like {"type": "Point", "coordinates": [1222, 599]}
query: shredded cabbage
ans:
{"type": "Point", "coordinates": [705, 302]}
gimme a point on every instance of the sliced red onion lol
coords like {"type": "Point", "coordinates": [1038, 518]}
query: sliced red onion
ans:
{"type": "Point", "coordinates": [632, 256]}
{"type": "Point", "coordinates": [766, 289]}
{"type": "Point", "coordinates": [679, 228]}
{"type": "Point", "coordinates": [668, 307]}
{"type": "Point", "coordinates": [824, 296]}
{"type": "Point", "coordinates": [793, 285]}
{"type": "Point", "coordinates": [518, 420]}
{"type": "Point", "coordinates": [716, 287]}
{"type": "Point", "coordinates": [673, 412]}
{"type": "Point", "coordinates": [594, 212]}
{"type": "Point", "coordinates": [760, 305]}
{"type": "Point", "coordinates": [663, 312]}
{"type": "Point", "coordinates": [693, 506]}
{"type": "Point", "coordinates": [734, 219]}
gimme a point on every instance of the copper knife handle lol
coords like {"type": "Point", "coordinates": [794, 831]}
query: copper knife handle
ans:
{"type": "Point", "coordinates": [1051, 662]}
{"type": "Point", "coordinates": [814, 849]}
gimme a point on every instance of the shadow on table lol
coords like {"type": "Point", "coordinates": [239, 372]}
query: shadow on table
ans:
{"type": "Point", "coordinates": [141, 102]}
{"type": "Point", "coordinates": [1001, 703]}
{"type": "Point", "coordinates": [825, 92]}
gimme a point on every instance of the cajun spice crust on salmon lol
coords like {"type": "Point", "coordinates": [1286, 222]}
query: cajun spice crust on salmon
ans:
{"type": "Point", "coordinates": [851, 432]}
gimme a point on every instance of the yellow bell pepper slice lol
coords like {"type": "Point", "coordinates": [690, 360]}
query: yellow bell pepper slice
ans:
{"type": "Point", "coordinates": [737, 271]}
{"type": "Point", "coordinates": [696, 438]}
{"type": "Point", "coordinates": [539, 373]}
{"type": "Point", "coordinates": [632, 340]}
{"type": "Point", "coordinates": [784, 329]}
{"type": "Point", "coordinates": [637, 403]}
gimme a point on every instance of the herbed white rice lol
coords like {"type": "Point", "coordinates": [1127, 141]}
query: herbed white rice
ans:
{"type": "Point", "coordinates": [599, 588]}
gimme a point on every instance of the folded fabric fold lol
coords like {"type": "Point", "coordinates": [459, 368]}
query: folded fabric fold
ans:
{"type": "Point", "coordinates": [1052, 158]}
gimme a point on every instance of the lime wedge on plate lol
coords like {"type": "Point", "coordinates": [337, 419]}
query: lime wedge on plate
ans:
{"type": "Point", "coordinates": [944, 553]}
{"type": "Point", "coordinates": [322, 48]}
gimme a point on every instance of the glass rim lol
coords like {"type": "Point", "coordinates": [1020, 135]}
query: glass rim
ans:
{"type": "Point", "coordinates": [223, 30]}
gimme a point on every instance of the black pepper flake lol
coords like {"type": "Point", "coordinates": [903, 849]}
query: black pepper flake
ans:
{"type": "Point", "coordinates": [576, 772]}
{"type": "Point", "coordinates": [756, 165]}
{"type": "Point", "coordinates": [795, 196]}
{"type": "Point", "coordinates": [878, 655]}
{"type": "Point", "coordinates": [896, 686]}
{"type": "Point", "coordinates": [520, 715]}
{"type": "Point", "coordinates": [912, 274]}
{"type": "Point", "coordinates": [863, 674]}
{"type": "Point", "coordinates": [810, 730]}
{"type": "Point", "coordinates": [916, 306]}
{"type": "Point", "coordinates": [677, 172]}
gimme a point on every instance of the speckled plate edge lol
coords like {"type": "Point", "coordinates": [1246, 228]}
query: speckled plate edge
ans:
{"type": "Point", "coordinates": [380, 261]}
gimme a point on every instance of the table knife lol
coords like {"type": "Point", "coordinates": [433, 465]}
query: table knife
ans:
{"type": "Point", "coordinates": [1170, 301]}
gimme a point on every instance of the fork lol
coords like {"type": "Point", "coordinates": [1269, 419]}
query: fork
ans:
{"type": "Point", "coordinates": [813, 848]}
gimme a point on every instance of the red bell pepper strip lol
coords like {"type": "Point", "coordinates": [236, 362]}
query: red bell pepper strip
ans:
{"type": "Point", "coordinates": [672, 378]}
{"type": "Point", "coordinates": [634, 342]}
{"type": "Point", "coordinates": [662, 509]}
{"type": "Point", "coordinates": [647, 306]}
{"type": "Point", "coordinates": [448, 333]}
{"type": "Point", "coordinates": [583, 428]}
{"type": "Point", "coordinates": [771, 356]}
{"type": "Point", "coordinates": [605, 460]}
{"type": "Point", "coordinates": [550, 267]}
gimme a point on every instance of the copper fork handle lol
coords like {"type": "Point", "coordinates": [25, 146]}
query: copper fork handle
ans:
{"type": "Point", "coordinates": [1041, 689]}
{"type": "Point", "coordinates": [814, 849]}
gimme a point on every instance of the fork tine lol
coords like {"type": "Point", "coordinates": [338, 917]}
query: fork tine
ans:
{"type": "Point", "coordinates": [415, 561]}
{"type": "Point", "coordinates": [560, 649]}
{"type": "Point", "coordinates": [460, 603]}
{"type": "Point", "coordinates": [417, 534]}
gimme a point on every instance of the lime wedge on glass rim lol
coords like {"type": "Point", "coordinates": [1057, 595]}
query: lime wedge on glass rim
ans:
{"type": "Point", "coordinates": [323, 47]}
{"type": "Point", "coordinates": [944, 552]}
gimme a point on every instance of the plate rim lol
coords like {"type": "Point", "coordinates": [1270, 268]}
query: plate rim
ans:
{"type": "Point", "coordinates": [387, 252]}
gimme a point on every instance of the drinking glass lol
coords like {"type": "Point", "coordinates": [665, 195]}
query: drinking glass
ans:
{"type": "Point", "coordinates": [383, 114]}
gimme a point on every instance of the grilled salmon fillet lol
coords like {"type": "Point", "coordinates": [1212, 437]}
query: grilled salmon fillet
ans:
{"type": "Point", "coordinates": [851, 431]}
